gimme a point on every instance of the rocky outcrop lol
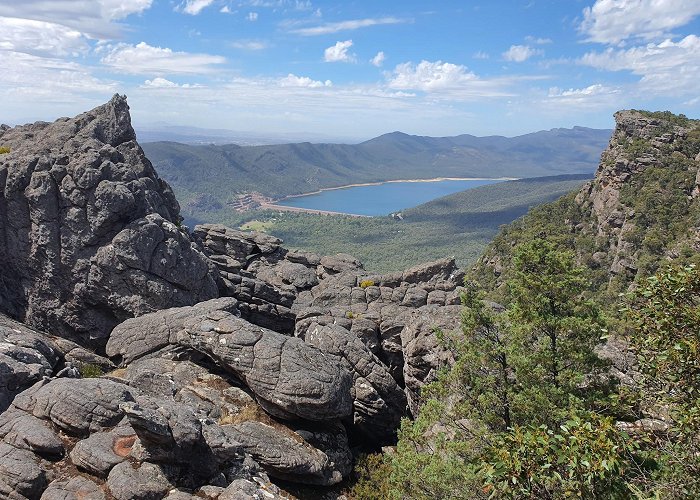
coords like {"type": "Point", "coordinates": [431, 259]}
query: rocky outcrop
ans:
{"type": "Point", "coordinates": [424, 356]}
{"type": "Point", "coordinates": [89, 233]}
{"type": "Point", "coordinates": [232, 360]}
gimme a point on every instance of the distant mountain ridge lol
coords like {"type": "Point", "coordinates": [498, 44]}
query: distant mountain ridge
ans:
{"type": "Point", "coordinates": [223, 171]}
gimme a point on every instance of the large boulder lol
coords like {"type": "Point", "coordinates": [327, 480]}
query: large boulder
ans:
{"type": "Point", "coordinates": [89, 234]}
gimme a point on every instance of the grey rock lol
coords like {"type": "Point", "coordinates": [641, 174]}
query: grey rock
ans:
{"type": "Point", "coordinates": [103, 450]}
{"type": "Point", "coordinates": [284, 454]}
{"type": "Point", "coordinates": [21, 475]}
{"type": "Point", "coordinates": [378, 401]}
{"type": "Point", "coordinates": [137, 337]}
{"type": "Point", "coordinates": [88, 229]}
{"type": "Point", "coordinates": [22, 430]}
{"type": "Point", "coordinates": [80, 406]}
{"type": "Point", "coordinates": [423, 354]}
{"type": "Point", "coordinates": [289, 378]}
{"type": "Point", "coordinates": [251, 489]}
{"type": "Point", "coordinates": [26, 356]}
{"type": "Point", "coordinates": [339, 263]}
{"type": "Point", "coordinates": [142, 482]}
{"type": "Point", "coordinates": [75, 488]}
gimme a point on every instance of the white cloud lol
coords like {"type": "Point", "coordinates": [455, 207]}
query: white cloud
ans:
{"type": "Point", "coordinates": [94, 18]}
{"type": "Point", "coordinates": [40, 37]}
{"type": "Point", "coordinates": [194, 7]}
{"type": "Point", "coordinates": [664, 67]}
{"type": "Point", "coordinates": [429, 76]}
{"type": "Point", "coordinates": [538, 41]}
{"type": "Point", "coordinates": [614, 21]}
{"type": "Point", "coordinates": [354, 24]}
{"type": "Point", "coordinates": [252, 16]}
{"type": "Point", "coordinates": [143, 59]}
{"type": "Point", "coordinates": [226, 10]}
{"type": "Point", "coordinates": [596, 96]}
{"type": "Point", "coordinates": [339, 52]}
{"type": "Point", "coordinates": [292, 80]}
{"type": "Point", "coordinates": [162, 83]}
{"type": "Point", "coordinates": [480, 55]}
{"type": "Point", "coordinates": [450, 82]}
{"type": "Point", "coordinates": [378, 60]}
{"type": "Point", "coordinates": [520, 53]}
{"type": "Point", "coordinates": [250, 44]}
{"type": "Point", "coordinates": [49, 84]}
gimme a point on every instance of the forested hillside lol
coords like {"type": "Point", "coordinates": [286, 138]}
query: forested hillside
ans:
{"type": "Point", "coordinates": [459, 225]}
{"type": "Point", "coordinates": [575, 372]}
{"type": "Point", "coordinates": [222, 172]}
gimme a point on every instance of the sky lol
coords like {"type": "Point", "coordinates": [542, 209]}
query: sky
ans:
{"type": "Point", "coordinates": [354, 69]}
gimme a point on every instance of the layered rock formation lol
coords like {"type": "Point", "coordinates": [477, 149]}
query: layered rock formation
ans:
{"type": "Point", "coordinates": [231, 361]}
{"type": "Point", "coordinates": [89, 234]}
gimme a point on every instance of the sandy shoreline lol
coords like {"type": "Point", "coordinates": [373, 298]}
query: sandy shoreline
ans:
{"type": "Point", "coordinates": [434, 179]}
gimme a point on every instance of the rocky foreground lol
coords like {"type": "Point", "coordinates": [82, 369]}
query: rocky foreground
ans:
{"type": "Point", "coordinates": [141, 361]}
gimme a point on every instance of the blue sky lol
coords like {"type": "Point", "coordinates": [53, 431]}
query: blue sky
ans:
{"type": "Point", "coordinates": [352, 69]}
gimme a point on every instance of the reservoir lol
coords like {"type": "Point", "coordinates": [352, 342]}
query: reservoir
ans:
{"type": "Point", "coordinates": [382, 198]}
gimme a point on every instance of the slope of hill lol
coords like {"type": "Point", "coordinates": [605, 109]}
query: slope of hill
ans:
{"type": "Point", "coordinates": [222, 172]}
{"type": "Point", "coordinates": [642, 208]}
{"type": "Point", "coordinates": [459, 225]}
{"type": "Point", "coordinates": [500, 422]}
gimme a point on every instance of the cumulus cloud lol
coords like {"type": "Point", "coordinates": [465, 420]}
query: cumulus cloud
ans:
{"type": "Point", "coordinates": [339, 52]}
{"type": "Point", "coordinates": [292, 80]}
{"type": "Point", "coordinates": [520, 53]}
{"type": "Point", "coordinates": [40, 37]}
{"type": "Point", "coordinates": [378, 60]}
{"type": "Point", "coordinates": [194, 7]}
{"type": "Point", "coordinates": [353, 24]}
{"type": "Point", "coordinates": [93, 18]}
{"type": "Point", "coordinates": [143, 59]}
{"type": "Point", "coordinates": [252, 16]}
{"type": "Point", "coordinates": [614, 21]}
{"type": "Point", "coordinates": [429, 76]}
{"type": "Point", "coordinates": [162, 83]}
{"type": "Point", "coordinates": [663, 66]}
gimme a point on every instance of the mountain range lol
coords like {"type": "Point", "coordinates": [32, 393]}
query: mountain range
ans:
{"type": "Point", "coordinates": [221, 172]}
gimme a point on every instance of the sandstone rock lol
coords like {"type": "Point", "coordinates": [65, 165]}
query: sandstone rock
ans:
{"type": "Point", "coordinates": [289, 378]}
{"type": "Point", "coordinates": [144, 482]}
{"type": "Point", "coordinates": [25, 357]}
{"type": "Point", "coordinates": [88, 229]}
{"type": "Point", "coordinates": [246, 489]}
{"type": "Point", "coordinates": [75, 488]}
{"type": "Point", "coordinates": [423, 354]}
{"type": "Point", "coordinates": [25, 431]}
{"type": "Point", "coordinates": [378, 401]}
{"type": "Point", "coordinates": [80, 407]}
{"type": "Point", "coordinates": [286, 455]}
{"type": "Point", "coordinates": [137, 337]}
{"type": "Point", "coordinates": [103, 450]}
{"type": "Point", "coordinates": [21, 475]}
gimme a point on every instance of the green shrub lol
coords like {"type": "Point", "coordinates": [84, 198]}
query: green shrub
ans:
{"type": "Point", "coordinates": [90, 370]}
{"type": "Point", "coordinates": [4, 150]}
{"type": "Point", "coordinates": [585, 458]}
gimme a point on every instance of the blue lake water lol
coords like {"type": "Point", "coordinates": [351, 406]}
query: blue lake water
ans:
{"type": "Point", "coordinates": [382, 199]}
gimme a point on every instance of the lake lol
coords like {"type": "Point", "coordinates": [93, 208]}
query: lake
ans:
{"type": "Point", "coordinates": [382, 199]}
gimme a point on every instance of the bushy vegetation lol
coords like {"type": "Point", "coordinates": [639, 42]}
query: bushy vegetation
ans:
{"type": "Point", "coordinates": [529, 410]}
{"type": "Point", "coordinates": [4, 150]}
